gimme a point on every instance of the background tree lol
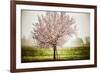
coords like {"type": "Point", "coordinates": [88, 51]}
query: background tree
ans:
{"type": "Point", "coordinates": [53, 29]}
{"type": "Point", "coordinates": [87, 40]}
{"type": "Point", "coordinates": [77, 42]}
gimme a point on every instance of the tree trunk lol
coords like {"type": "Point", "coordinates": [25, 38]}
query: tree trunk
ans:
{"type": "Point", "coordinates": [55, 52]}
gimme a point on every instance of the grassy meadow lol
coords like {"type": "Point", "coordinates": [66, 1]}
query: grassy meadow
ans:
{"type": "Point", "coordinates": [33, 54]}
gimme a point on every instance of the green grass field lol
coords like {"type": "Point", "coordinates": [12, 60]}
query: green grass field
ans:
{"type": "Point", "coordinates": [32, 54]}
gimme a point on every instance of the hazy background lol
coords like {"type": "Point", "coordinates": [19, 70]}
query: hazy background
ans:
{"type": "Point", "coordinates": [82, 21]}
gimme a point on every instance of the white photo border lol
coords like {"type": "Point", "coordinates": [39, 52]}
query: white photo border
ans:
{"type": "Point", "coordinates": [20, 65]}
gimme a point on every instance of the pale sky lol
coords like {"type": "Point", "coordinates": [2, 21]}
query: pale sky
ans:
{"type": "Point", "coordinates": [28, 17]}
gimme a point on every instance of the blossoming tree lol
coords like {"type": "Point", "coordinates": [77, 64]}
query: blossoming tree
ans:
{"type": "Point", "coordinates": [53, 29]}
